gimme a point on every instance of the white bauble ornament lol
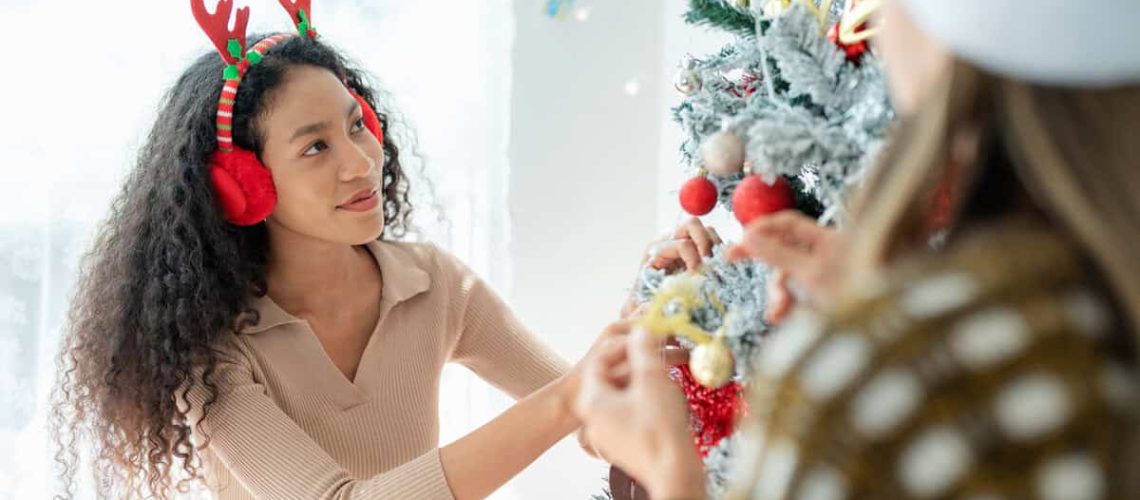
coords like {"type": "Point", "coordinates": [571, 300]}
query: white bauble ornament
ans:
{"type": "Point", "coordinates": [723, 153]}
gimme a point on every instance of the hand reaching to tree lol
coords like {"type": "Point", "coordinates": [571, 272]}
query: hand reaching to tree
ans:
{"type": "Point", "coordinates": [635, 417]}
{"type": "Point", "coordinates": [684, 249]}
{"type": "Point", "coordinates": [805, 258]}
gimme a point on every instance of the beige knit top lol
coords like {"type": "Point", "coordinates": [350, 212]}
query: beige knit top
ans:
{"type": "Point", "coordinates": [288, 424]}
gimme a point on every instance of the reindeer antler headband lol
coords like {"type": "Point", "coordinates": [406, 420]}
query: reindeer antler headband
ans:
{"type": "Point", "coordinates": [231, 45]}
{"type": "Point", "coordinates": [243, 185]}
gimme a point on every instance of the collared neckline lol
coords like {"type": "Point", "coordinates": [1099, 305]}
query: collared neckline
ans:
{"type": "Point", "coordinates": [402, 276]}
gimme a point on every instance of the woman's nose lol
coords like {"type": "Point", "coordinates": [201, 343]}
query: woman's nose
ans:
{"type": "Point", "coordinates": [356, 163]}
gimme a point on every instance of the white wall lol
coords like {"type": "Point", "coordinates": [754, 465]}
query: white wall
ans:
{"type": "Point", "coordinates": [582, 197]}
{"type": "Point", "coordinates": [594, 176]}
{"type": "Point", "coordinates": [679, 39]}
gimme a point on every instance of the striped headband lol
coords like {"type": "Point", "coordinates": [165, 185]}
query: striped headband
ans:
{"type": "Point", "coordinates": [231, 45]}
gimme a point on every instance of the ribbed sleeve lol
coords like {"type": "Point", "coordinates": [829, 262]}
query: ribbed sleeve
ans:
{"type": "Point", "coordinates": [494, 343]}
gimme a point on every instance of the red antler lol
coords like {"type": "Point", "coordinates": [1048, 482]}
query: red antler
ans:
{"type": "Point", "coordinates": [217, 25]}
{"type": "Point", "coordinates": [295, 6]}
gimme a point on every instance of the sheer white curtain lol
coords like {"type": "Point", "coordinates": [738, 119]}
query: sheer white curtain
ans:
{"type": "Point", "coordinates": [81, 82]}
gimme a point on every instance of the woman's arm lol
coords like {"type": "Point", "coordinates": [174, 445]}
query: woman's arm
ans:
{"type": "Point", "coordinates": [497, 347]}
{"type": "Point", "coordinates": [272, 457]}
{"type": "Point", "coordinates": [480, 462]}
{"type": "Point", "coordinates": [493, 343]}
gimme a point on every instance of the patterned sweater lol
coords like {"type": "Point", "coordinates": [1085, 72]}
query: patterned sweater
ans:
{"type": "Point", "coordinates": [997, 369]}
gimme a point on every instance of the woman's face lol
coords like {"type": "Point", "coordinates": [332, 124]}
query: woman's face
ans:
{"type": "Point", "coordinates": [914, 62]}
{"type": "Point", "coordinates": [325, 164]}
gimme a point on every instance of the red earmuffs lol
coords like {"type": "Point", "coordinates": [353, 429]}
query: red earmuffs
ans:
{"type": "Point", "coordinates": [243, 185]}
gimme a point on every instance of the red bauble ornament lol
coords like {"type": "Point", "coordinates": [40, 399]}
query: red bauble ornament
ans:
{"type": "Point", "coordinates": [754, 197]}
{"type": "Point", "coordinates": [698, 196]}
{"type": "Point", "coordinates": [854, 51]}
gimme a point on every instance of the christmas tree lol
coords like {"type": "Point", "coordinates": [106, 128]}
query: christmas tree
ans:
{"type": "Point", "coordinates": [788, 115]}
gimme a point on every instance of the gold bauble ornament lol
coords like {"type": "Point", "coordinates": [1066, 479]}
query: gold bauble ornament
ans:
{"type": "Point", "coordinates": [670, 314]}
{"type": "Point", "coordinates": [711, 363]}
{"type": "Point", "coordinates": [687, 81]}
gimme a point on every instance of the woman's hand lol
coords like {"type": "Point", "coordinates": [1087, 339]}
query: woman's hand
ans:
{"type": "Point", "coordinates": [804, 256]}
{"type": "Point", "coordinates": [635, 417]}
{"type": "Point", "coordinates": [572, 380]}
{"type": "Point", "coordinates": [671, 355]}
{"type": "Point", "coordinates": [685, 248]}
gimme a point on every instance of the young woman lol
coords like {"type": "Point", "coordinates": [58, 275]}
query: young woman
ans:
{"type": "Point", "coordinates": [993, 358]}
{"type": "Point", "coordinates": [293, 352]}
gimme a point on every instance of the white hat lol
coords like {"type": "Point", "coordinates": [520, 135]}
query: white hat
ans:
{"type": "Point", "coordinates": [1058, 42]}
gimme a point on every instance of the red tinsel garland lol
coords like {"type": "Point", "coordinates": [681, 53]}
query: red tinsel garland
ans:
{"type": "Point", "coordinates": [714, 411]}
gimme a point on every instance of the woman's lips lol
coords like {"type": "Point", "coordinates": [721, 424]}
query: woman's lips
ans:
{"type": "Point", "coordinates": [362, 204]}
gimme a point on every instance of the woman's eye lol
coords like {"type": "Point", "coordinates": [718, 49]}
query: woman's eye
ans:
{"type": "Point", "coordinates": [317, 147]}
{"type": "Point", "coordinates": [358, 125]}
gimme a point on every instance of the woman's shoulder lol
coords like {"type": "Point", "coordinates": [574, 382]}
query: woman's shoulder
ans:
{"type": "Point", "coordinates": [997, 365]}
{"type": "Point", "coordinates": [438, 263]}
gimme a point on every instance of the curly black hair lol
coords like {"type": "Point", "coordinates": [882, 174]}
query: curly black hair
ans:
{"type": "Point", "coordinates": [167, 279]}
